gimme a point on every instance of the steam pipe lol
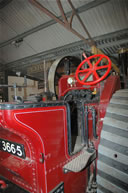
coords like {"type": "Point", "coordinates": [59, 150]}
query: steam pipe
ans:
{"type": "Point", "coordinates": [15, 85]}
{"type": "Point", "coordinates": [84, 139]}
{"type": "Point", "coordinates": [86, 126]}
{"type": "Point", "coordinates": [94, 122]}
{"type": "Point", "coordinates": [5, 85]}
{"type": "Point", "coordinates": [45, 78]}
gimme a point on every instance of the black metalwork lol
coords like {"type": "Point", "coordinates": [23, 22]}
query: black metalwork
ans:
{"type": "Point", "coordinates": [94, 122]}
{"type": "Point", "coordinates": [86, 128]}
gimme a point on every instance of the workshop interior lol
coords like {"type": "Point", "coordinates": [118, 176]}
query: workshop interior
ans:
{"type": "Point", "coordinates": [63, 96]}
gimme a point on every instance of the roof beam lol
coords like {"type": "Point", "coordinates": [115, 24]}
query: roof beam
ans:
{"type": "Point", "coordinates": [104, 41]}
{"type": "Point", "coordinates": [64, 22]}
{"type": "Point", "coordinates": [51, 22]}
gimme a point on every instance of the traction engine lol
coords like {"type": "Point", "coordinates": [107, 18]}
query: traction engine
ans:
{"type": "Point", "coordinates": [52, 146]}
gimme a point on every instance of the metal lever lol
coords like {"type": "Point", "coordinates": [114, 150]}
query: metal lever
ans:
{"type": "Point", "coordinates": [94, 123]}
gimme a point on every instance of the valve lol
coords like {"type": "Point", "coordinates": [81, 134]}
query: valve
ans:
{"type": "Point", "coordinates": [82, 74]}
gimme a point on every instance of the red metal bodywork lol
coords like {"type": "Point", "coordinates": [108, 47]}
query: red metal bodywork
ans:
{"type": "Point", "coordinates": [43, 132]}
{"type": "Point", "coordinates": [30, 128]}
{"type": "Point", "coordinates": [64, 87]}
{"type": "Point", "coordinates": [106, 89]}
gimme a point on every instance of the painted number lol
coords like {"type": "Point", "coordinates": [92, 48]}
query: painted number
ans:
{"type": "Point", "coordinates": [11, 148]}
{"type": "Point", "coordinates": [8, 147]}
{"type": "Point", "coordinates": [19, 152]}
{"type": "Point", "coordinates": [4, 145]}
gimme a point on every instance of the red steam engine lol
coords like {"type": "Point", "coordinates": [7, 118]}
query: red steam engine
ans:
{"type": "Point", "coordinates": [52, 146]}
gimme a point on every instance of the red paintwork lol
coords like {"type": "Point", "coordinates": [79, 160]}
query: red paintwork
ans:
{"type": "Point", "coordinates": [80, 71]}
{"type": "Point", "coordinates": [106, 89]}
{"type": "Point", "coordinates": [44, 130]}
{"type": "Point", "coordinates": [3, 184]}
{"type": "Point", "coordinates": [64, 87]}
{"type": "Point", "coordinates": [30, 128]}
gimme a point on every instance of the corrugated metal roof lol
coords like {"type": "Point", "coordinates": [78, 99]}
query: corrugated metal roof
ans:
{"type": "Point", "coordinates": [6, 32]}
{"type": "Point", "coordinates": [109, 17]}
{"type": "Point", "coordinates": [20, 16]}
{"type": "Point", "coordinates": [9, 53]}
{"type": "Point", "coordinates": [38, 42]}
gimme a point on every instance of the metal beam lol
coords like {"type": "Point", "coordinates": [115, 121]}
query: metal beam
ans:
{"type": "Point", "coordinates": [51, 22]}
{"type": "Point", "coordinates": [64, 22]}
{"type": "Point", "coordinates": [81, 22]}
{"type": "Point", "coordinates": [104, 41]}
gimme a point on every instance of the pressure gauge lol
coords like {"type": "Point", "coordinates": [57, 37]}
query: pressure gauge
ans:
{"type": "Point", "coordinates": [70, 80]}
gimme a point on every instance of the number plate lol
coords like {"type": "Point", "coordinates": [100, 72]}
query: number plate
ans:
{"type": "Point", "coordinates": [13, 148]}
